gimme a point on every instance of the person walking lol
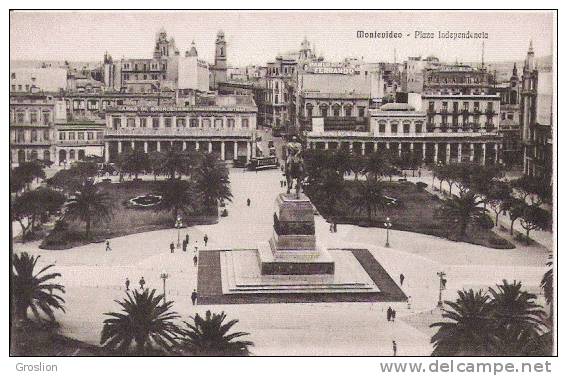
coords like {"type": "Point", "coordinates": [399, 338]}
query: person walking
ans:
{"type": "Point", "coordinates": [184, 245]}
{"type": "Point", "coordinates": [187, 239]}
{"type": "Point", "coordinates": [402, 277]}
{"type": "Point", "coordinates": [394, 347]}
{"type": "Point", "coordinates": [419, 172]}
{"type": "Point", "coordinates": [195, 260]}
{"type": "Point", "coordinates": [142, 282]}
{"type": "Point", "coordinates": [172, 247]}
{"type": "Point", "coordinates": [393, 315]}
{"type": "Point", "coordinates": [247, 202]}
{"type": "Point", "coordinates": [127, 283]}
{"type": "Point", "coordinates": [196, 247]}
{"type": "Point", "coordinates": [108, 249]}
{"type": "Point", "coordinates": [389, 314]}
{"type": "Point", "coordinates": [205, 239]}
{"type": "Point", "coordinates": [194, 296]}
{"type": "Point", "coordinates": [335, 227]}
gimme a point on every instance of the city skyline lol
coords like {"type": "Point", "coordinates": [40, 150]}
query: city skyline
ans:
{"type": "Point", "coordinates": [45, 36]}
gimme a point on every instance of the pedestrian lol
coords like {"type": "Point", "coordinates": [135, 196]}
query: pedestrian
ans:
{"type": "Point", "coordinates": [394, 347]}
{"type": "Point", "coordinates": [205, 239]}
{"type": "Point", "coordinates": [172, 247]}
{"type": "Point", "coordinates": [187, 239]}
{"type": "Point", "coordinates": [142, 283]}
{"type": "Point", "coordinates": [184, 245]}
{"type": "Point", "coordinates": [419, 172]}
{"type": "Point", "coordinates": [127, 284]}
{"type": "Point", "coordinates": [196, 247]}
{"type": "Point", "coordinates": [248, 202]}
{"type": "Point", "coordinates": [389, 314]}
{"type": "Point", "coordinates": [408, 301]}
{"type": "Point", "coordinates": [195, 260]}
{"type": "Point", "coordinates": [402, 277]}
{"type": "Point", "coordinates": [393, 315]}
{"type": "Point", "coordinates": [335, 227]}
{"type": "Point", "coordinates": [108, 249]}
{"type": "Point", "coordinates": [194, 296]}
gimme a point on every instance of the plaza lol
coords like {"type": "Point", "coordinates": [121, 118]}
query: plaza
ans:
{"type": "Point", "coordinates": [94, 278]}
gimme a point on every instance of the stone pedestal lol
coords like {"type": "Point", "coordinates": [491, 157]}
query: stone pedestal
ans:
{"type": "Point", "coordinates": [293, 249]}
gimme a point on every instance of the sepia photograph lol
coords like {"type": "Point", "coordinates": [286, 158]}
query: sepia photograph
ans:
{"type": "Point", "coordinates": [282, 183]}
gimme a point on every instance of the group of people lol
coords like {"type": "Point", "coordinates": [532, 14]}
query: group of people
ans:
{"type": "Point", "coordinates": [142, 282]}
{"type": "Point", "coordinates": [283, 183]}
{"type": "Point", "coordinates": [391, 314]}
{"type": "Point", "coordinates": [333, 227]}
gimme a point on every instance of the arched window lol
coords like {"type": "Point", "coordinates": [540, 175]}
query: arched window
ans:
{"type": "Point", "coordinates": [21, 156]}
{"type": "Point", "coordinates": [33, 155]}
{"type": "Point", "coordinates": [71, 154]}
{"type": "Point", "coordinates": [46, 155]}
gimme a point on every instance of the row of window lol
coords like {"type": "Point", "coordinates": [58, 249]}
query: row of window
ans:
{"type": "Point", "coordinates": [153, 66]}
{"type": "Point", "coordinates": [143, 77]}
{"type": "Point", "coordinates": [34, 135]}
{"type": "Point", "coordinates": [455, 108]}
{"type": "Point", "coordinates": [32, 155]}
{"type": "Point", "coordinates": [68, 135]}
{"type": "Point", "coordinates": [20, 87]}
{"type": "Point", "coordinates": [179, 122]}
{"type": "Point", "coordinates": [336, 111]}
{"type": "Point", "coordinates": [34, 117]}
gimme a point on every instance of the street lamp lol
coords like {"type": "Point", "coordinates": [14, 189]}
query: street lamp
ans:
{"type": "Point", "coordinates": [164, 276]}
{"type": "Point", "coordinates": [442, 286]}
{"type": "Point", "coordinates": [178, 225]}
{"type": "Point", "coordinates": [388, 226]}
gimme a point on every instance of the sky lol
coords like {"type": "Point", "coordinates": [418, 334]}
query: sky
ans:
{"type": "Point", "coordinates": [257, 37]}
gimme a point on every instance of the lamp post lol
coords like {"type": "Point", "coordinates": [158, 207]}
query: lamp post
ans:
{"type": "Point", "coordinates": [178, 225]}
{"type": "Point", "coordinates": [442, 283]}
{"type": "Point", "coordinates": [388, 226]}
{"type": "Point", "coordinates": [164, 276]}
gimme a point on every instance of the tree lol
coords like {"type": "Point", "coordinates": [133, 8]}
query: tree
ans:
{"type": "Point", "coordinates": [356, 165]}
{"type": "Point", "coordinates": [174, 162]}
{"type": "Point", "coordinates": [35, 291]}
{"type": "Point", "coordinates": [469, 330]}
{"type": "Point", "coordinates": [145, 321]}
{"type": "Point", "coordinates": [316, 161]}
{"type": "Point", "coordinates": [32, 206]}
{"type": "Point", "coordinates": [210, 336]}
{"type": "Point", "coordinates": [499, 197]}
{"type": "Point", "coordinates": [340, 162]}
{"type": "Point", "coordinates": [516, 210]}
{"type": "Point", "coordinates": [25, 173]}
{"type": "Point", "coordinates": [462, 210]}
{"type": "Point", "coordinates": [89, 205]}
{"type": "Point", "coordinates": [70, 180]}
{"type": "Point", "coordinates": [517, 317]}
{"type": "Point", "coordinates": [134, 162]}
{"type": "Point", "coordinates": [368, 196]}
{"type": "Point", "coordinates": [177, 196]}
{"type": "Point", "coordinates": [329, 191]}
{"type": "Point", "coordinates": [532, 187]}
{"type": "Point", "coordinates": [212, 181]}
{"type": "Point", "coordinates": [374, 166]}
{"type": "Point", "coordinates": [547, 286]}
{"type": "Point", "coordinates": [533, 218]}
{"type": "Point", "coordinates": [156, 161]}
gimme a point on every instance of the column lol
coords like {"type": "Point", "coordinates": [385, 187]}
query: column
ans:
{"type": "Point", "coordinates": [411, 147]}
{"type": "Point", "coordinates": [363, 148]}
{"type": "Point", "coordinates": [158, 146]}
{"type": "Point", "coordinates": [350, 146]}
{"type": "Point", "coordinates": [210, 147]}
{"type": "Point", "coordinates": [483, 154]}
{"type": "Point", "coordinates": [448, 153]}
{"type": "Point", "coordinates": [424, 150]}
{"type": "Point", "coordinates": [119, 147]}
{"type": "Point", "coordinates": [400, 149]}
{"type": "Point", "coordinates": [472, 153]}
{"type": "Point", "coordinates": [222, 150]}
{"type": "Point", "coordinates": [375, 146]}
{"type": "Point", "coordinates": [326, 145]}
{"type": "Point", "coordinates": [388, 145]}
{"type": "Point", "coordinates": [253, 149]}
{"type": "Point", "coordinates": [184, 145]}
{"type": "Point", "coordinates": [460, 152]}
{"type": "Point", "coordinates": [196, 145]}
{"type": "Point", "coordinates": [146, 147]}
{"type": "Point", "coordinates": [436, 152]}
{"type": "Point", "coordinates": [106, 152]}
{"type": "Point", "coordinates": [496, 161]}
{"type": "Point", "coordinates": [235, 150]}
{"type": "Point", "coordinates": [133, 145]}
{"type": "Point", "coordinates": [248, 151]}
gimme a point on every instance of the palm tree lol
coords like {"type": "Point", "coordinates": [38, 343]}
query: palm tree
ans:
{"type": "Point", "coordinates": [469, 331]}
{"type": "Point", "coordinates": [209, 337]}
{"type": "Point", "coordinates": [368, 196]}
{"type": "Point", "coordinates": [374, 166]}
{"type": "Point", "coordinates": [173, 162]}
{"type": "Point", "coordinates": [33, 290]}
{"type": "Point", "coordinates": [134, 162]}
{"type": "Point", "coordinates": [156, 161]}
{"type": "Point", "coordinates": [212, 181]}
{"type": "Point", "coordinates": [462, 210]}
{"type": "Point", "coordinates": [177, 196]}
{"type": "Point", "coordinates": [89, 205]}
{"type": "Point", "coordinates": [145, 321]}
{"type": "Point", "coordinates": [547, 283]}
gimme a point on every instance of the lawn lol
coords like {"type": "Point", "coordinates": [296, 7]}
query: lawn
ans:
{"type": "Point", "coordinates": [124, 221]}
{"type": "Point", "coordinates": [415, 212]}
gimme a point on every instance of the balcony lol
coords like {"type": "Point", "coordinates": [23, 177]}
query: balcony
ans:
{"type": "Point", "coordinates": [179, 132]}
{"type": "Point", "coordinates": [79, 142]}
{"type": "Point", "coordinates": [29, 142]}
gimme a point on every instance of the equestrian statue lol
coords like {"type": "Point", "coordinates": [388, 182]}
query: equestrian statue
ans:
{"type": "Point", "coordinates": [294, 165]}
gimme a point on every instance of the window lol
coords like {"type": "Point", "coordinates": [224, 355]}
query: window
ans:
{"type": "Point", "coordinates": [180, 122]}
{"type": "Point", "coordinates": [90, 136]}
{"type": "Point", "coordinates": [20, 116]}
{"type": "Point", "coordinates": [71, 154]}
{"type": "Point", "coordinates": [167, 122]}
{"type": "Point", "coordinates": [46, 115]}
{"type": "Point", "coordinates": [62, 136]}
{"type": "Point", "coordinates": [13, 76]}
{"type": "Point", "coordinates": [20, 136]}
{"type": "Point", "coordinates": [360, 111]}
{"type": "Point", "coordinates": [394, 128]}
{"type": "Point", "coordinates": [206, 123]}
{"type": "Point", "coordinates": [194, 123]}
{"type": "Point", "coordinates": [418, 127]}
{"type": "Point", "coordinates": [245, 123]}
{"type": "Point", "coordinates": [116, 122]}
{"type": "Point", "coordinates": [143, 122]}
{"type": "Point", "coordinates": [406, 127]}
{"type": "Point", "coordinates": [348, 111]}
{"type": "Point", "coordinates": [511, 116]}
{"type": "Point", "coordinates": [80, 135]}
{"type": "Point", "coordinates": [324, 111]}
{"type": "Point", "coordinates": [336, 111]}
{"type": "Point", "coordinates": [155, 122]}
{"type": "Point", "coordinates": [71, 136]}
{"type": "Point", "coordinates": [503, 116]}
{"type": "Point", "coordinates": [431, 107]}
{"type": "Point", "coordinates": [230, 123]}
{"type": "Point", "coordinates": [33, 135]}
{"type": "Point", "coordinates": [382, 128]}
{"type": "Point", "coordinates": [476, 106]}
{"type": "Point", "coordinates": [100, 135]}
{"type": "Point", "coordinates": [131, 122]}
{"type": "Point", "coordinates": [46, 134]}
{"type": "Point", "coordinates": [218, 123]}
{"type": "Point", "coordinates": [33, 117]}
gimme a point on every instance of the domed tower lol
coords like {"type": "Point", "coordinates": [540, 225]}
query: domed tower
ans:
{"type": "Point", "coordinates": [162, 47]}
{"type": "Point", "coordinates": [514, 87]}
{"type": "Point", "coordinates": [219, 69]}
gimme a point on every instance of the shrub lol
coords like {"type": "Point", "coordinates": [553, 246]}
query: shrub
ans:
{"type": "Point", "coordinates": [420, 185]}
{"type": "Point", "coordinates": [485, 222]}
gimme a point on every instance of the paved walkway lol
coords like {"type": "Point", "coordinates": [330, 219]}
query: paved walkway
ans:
{"type": "Point", "coordinates": [95, 278]}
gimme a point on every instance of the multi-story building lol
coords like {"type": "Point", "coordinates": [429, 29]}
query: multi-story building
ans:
{"type": "Point", "coordinates": [536, 119]}
{"type": "Point", "coordinates": [413, 73]}
{"type": "Point", "coordinates": [32, 118]}
{"type": "Point", "coordinates": [509, 92]}
{"type": "Point", "coordinates": [34, 80]}
{"type": "Point", "coordinates": [220, 124]}
{"type": "Point", "coordinates": [218, 71]}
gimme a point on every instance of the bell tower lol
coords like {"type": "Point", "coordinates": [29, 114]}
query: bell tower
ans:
{"type": "Point", "coordinates": [219, 68]}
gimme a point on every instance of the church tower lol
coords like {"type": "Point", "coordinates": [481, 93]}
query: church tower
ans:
{"type": "Point", "coordinates": [219, 69]}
